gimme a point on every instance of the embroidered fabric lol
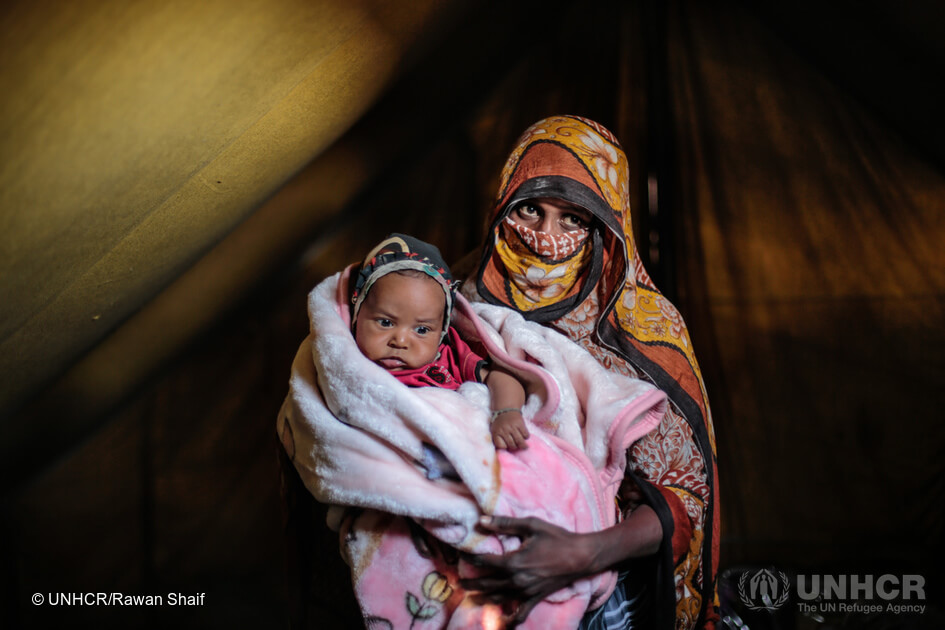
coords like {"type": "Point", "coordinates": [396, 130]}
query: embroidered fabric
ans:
{"type": "Point", "coordinates": [553, 247]}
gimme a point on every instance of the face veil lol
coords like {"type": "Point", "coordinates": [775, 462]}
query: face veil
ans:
{"type": "Point", "coordinates": [544, 272]}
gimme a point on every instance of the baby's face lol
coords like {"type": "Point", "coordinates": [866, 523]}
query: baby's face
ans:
{"type": "Point", "coordinates": [400, 322]}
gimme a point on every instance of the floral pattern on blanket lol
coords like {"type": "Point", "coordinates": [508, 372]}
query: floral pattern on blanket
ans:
{"type": "Point", "coordinates": [436, 590]}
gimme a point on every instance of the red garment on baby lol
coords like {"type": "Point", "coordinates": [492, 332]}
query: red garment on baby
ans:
{"type": "Point", "coordinates": [455, 364]}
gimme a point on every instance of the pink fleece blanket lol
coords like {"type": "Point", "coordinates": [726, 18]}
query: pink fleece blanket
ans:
{"type": "Point", "coordinates": [362, 440]}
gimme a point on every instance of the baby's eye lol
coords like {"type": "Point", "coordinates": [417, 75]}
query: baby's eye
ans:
{"type": "Point", "coordinates": [383, 322]}
{"type": "Point", "coordinates": [422, 330]}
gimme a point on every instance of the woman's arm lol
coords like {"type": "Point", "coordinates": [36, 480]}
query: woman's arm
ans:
{"type": "Point", "coordinates": [551, 558]}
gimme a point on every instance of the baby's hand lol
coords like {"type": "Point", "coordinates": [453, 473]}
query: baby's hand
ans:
{"type": "Point", "coordinates": [509, 431]}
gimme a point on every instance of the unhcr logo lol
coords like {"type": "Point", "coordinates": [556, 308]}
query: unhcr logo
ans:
{"type": "Point", "coordinates": [769, 590]}
{"type": "Point", "coordinates": [886, 587]}
{"type": "Point", "coordinates": [764, 589]}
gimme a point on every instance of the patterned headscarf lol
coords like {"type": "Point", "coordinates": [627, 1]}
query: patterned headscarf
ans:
{"type": "Point", "coordinates": [579, 161]}
{"type": "Point", "coordinates": [399, 252]}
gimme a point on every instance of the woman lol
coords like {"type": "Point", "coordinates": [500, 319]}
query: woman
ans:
{"type": "Point", "coordinates": [560, 250]}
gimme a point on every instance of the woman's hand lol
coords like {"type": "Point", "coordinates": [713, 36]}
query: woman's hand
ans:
{"type": "Point", "coordinates": [552, 558]}
{"type": "Point", "coordinates": [549, 559]}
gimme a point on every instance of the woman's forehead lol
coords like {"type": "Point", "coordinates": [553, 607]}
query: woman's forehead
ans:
{"type": "Point", "coordinates": [561, 204]}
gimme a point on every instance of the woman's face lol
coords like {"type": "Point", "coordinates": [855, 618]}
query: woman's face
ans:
{"type": "Point", "coordinates": [553, 216]}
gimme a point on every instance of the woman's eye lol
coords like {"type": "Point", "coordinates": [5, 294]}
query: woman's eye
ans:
{"type": "Point", "coordinates": [573, 221]}
{"type": "Point", "coordinates": [528, 211]}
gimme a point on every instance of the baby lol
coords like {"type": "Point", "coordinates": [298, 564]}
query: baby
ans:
{"type": "Point", "coordinates": [401, 304]}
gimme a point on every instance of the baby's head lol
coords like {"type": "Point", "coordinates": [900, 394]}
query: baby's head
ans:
{"type": "Point", "coordinates": [401, 303]}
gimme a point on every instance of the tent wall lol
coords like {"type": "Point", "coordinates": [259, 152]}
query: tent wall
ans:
{"type": "Point", "coordinates": [136, 136]}
{"type": "Point", "coordinates": [810, 263]}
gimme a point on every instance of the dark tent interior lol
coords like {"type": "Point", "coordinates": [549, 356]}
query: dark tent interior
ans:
{"type": "Point", "coordinates": [176, 176]}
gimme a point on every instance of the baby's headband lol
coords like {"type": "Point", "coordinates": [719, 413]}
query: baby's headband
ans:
{"type": "Point", "coordinates": [399, 252]}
